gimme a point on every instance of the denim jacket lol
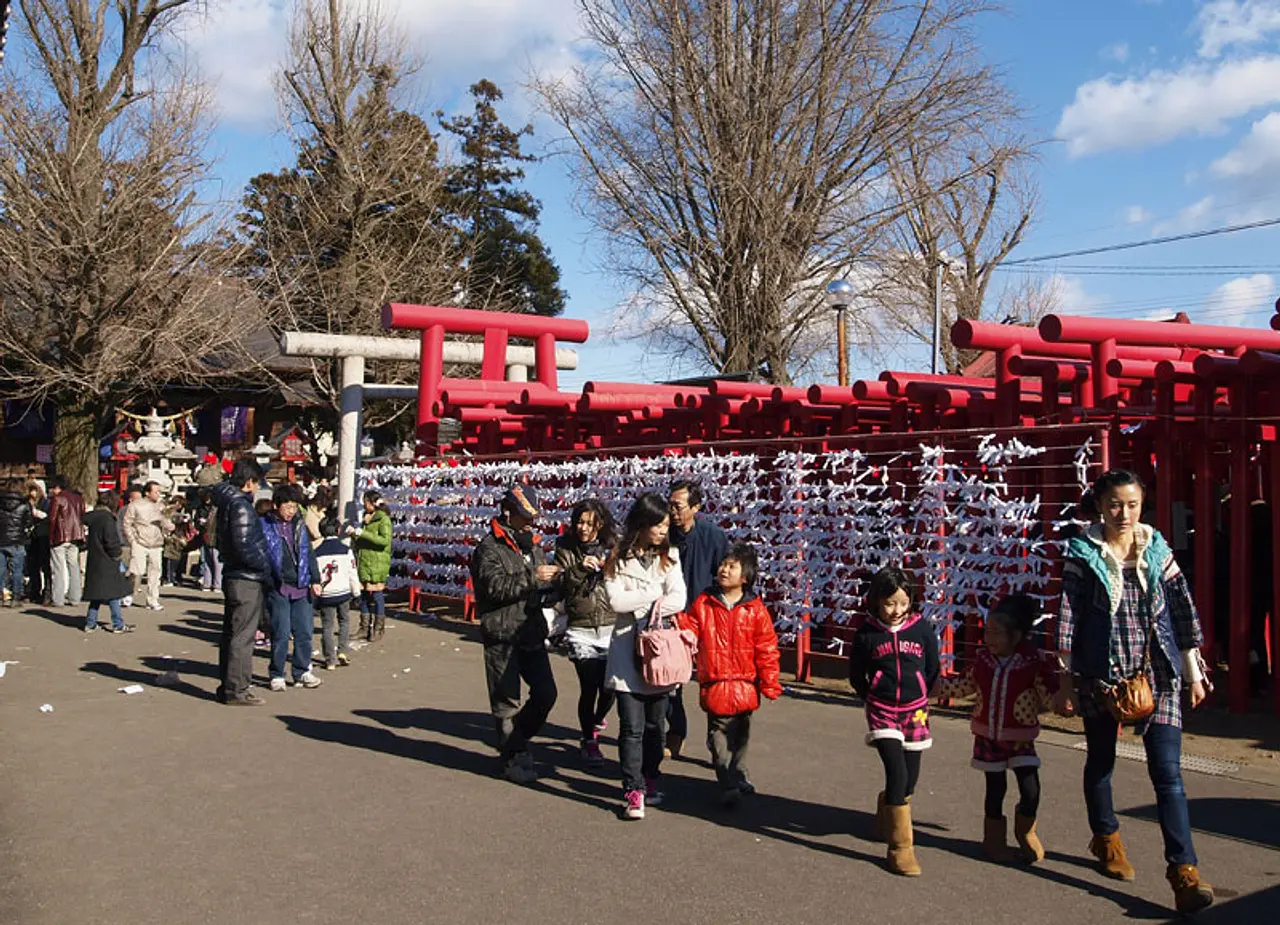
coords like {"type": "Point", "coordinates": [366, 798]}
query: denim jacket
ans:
{"type": "Point", "coordinates": [1092, 586]}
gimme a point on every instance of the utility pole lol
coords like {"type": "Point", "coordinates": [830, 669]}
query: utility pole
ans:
{"type": "Point", "coordinates": [937, 318]}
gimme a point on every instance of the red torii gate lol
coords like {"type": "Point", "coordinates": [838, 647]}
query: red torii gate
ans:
{"type": "Point", "coordinates": [498, 328]}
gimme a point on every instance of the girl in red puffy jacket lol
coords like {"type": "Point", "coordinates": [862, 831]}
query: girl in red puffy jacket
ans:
{"type": "Point", "coordinates": [737, 662]}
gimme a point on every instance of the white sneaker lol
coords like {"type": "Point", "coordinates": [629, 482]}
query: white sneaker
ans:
{"type": "Point", "coordinates": [127, 601]}
{"type": "Point", "coordinates": [277, 684]}
{"type": "Point", "coordinates": [155, 607]}
{"type": "Point", "coordinates": [308, 679]}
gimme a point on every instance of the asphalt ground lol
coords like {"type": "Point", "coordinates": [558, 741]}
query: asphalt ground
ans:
{"type": "Point", "coordinates": [375, 798]}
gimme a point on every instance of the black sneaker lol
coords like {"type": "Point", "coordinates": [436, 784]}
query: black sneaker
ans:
{"type": "Point", "coordinates": [247, 699]}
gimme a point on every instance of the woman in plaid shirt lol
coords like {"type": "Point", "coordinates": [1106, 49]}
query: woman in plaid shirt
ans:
{"type": "Point", "coordinates": [1122, 592]}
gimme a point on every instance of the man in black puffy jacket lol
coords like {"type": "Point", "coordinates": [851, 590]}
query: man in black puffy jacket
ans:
{"type": "Point", "coordinates": [16, 524]}
{"type": "Point", "coordinates": [246, 575]}
{"type": "Point", "coordinates": [511, 576]}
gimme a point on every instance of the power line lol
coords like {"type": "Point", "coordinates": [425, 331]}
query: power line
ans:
{"type": "Point", "coordinates": [1149, 242]}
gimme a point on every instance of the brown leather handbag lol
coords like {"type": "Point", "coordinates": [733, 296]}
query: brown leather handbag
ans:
{"type": "Point", "coordinates": [1131, 699]}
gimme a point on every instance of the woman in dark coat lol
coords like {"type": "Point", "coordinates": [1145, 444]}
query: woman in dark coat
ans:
{"type": "Point", "coordinates": [104, 579]}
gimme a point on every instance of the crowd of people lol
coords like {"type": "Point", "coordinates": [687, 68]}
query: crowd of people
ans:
{"type": "Point", "coordinates": [1127, 651]}
{"type": "Point", "coordinates": [277, 562]}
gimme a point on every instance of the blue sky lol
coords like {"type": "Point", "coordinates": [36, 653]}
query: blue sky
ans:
{"type": "Point", "coordinates": [1160, 116]}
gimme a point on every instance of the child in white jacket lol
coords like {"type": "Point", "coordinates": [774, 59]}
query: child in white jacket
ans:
{"type": "Point", "coordinates": [642, 571]}
{"type": "Point", "coordinates": [339, 583]}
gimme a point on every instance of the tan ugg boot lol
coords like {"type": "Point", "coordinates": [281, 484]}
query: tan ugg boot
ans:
{"type": "Point", "coordinates": [1029, 847]}
{"type": "Point", "coordinates": [995, 840]}
{"type": "Point", "coordinates": [902, 855]}
{"type": "Point", "coordinates": [363, 631]}
{"type": "Point", "coordinates": [1109, 850]}
{"type": "Point", "coordinates": [1190, 893]}
{"type": "Point", "coordinates": [379, 628]}
{"type": "Point", "coordinates": [881, 824]}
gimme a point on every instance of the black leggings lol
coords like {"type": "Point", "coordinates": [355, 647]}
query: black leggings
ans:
{"type": "Point", "coordinates": [594, 699]}
{"type": "Point", "coordinates": [1028, 792]}
{"type": "Point", "coordinates": [901, 771]}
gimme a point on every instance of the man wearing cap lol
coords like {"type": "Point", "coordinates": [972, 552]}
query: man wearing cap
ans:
{"type": "Point", "coordinates": [512, 581]}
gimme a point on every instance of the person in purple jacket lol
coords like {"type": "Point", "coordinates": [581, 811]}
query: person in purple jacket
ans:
{"type": "Point", "coordinates": [297, 578]}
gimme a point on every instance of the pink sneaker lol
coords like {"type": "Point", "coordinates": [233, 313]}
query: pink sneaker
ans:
{"type": "Point", "coordinates": [602, 725]}
{"type": "Point", "coordinates": [634, 808]}
{"type": "Point", "coordinates": [652, 795]}
{"type": "Point", "coordinates": [591, 753]}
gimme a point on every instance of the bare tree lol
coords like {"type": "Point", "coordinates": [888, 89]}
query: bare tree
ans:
{"type": "Point", "coordinates": [110, 289]}
{"type": "Point", "coordinates": [358, 221]}
{"type": "Point", "coordinates": [968, 200]}
{"type": "Point", "coordinates": [734, 150]}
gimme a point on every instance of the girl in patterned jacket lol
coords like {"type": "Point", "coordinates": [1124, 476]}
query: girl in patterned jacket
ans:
{"type": "Point", "coordinates": [1014, 682]}
{"type": "Point", "coordinates": [892, 667]}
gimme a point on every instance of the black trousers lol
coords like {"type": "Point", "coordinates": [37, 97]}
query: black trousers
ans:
{"type": "Point", "coordinates": [506, 664]}
{"type": "Point", "coordinates": [727, 738]}
{"type": "Point", "coordinates": [594, 699]}
{"type": "Point", "coordinates": [243, 606]}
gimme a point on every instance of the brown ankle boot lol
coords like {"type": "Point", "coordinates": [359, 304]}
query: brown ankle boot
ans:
{"type": "Point", "coordinates": [1029, 847]}
{"type": "Point", "coordinates": [1109, 851]}
{"type": "Point", "coordinates": [881, 824]}
{"type": "Point", "coordinates": [995, 844]}
{"type": "Point", "coordinates": [902, 854]}
{"type": "Point", "coordinates": [1190, 893]}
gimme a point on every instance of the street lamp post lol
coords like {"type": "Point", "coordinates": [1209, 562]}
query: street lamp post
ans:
{"type": "Point", "coordinates": [840, 297]}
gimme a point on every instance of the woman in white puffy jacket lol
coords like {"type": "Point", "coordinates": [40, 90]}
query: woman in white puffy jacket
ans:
{"type": "Point", "coordinates": [644, 569]}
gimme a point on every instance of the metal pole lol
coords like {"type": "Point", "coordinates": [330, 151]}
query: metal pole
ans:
{"type": "Point", "coordinates": [937, 319]}
{"type": "Point", "coordinates": [842, 345]}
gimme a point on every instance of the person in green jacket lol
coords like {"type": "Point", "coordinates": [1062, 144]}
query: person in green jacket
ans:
{"type": "Point", "coordinates": [372, 545]}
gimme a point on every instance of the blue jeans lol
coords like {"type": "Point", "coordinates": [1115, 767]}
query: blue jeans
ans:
{"type": "Point", "coordinates": [210, 568]}
{"type": "Point", "coordinates": [91, 621]}
{"type": "Point", "coordinates": [13, 560]}
{"type": "Point", "coordinates": [290, 618]}
{"type": "Point", "coordinates": [1164, 764]}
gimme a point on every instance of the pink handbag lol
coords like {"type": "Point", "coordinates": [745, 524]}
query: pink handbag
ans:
{"type": "Point", "coordinates": [665, 651]}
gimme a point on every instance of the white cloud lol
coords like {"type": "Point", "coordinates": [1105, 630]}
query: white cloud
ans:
{"type": "Point", "coordinates": [1137, 215]}
{"type": "Point", "coordinates": [1070, 297]}
{"type": "Point", "coordinates": [1192, 218]}
{"type": "Point", "coordinates": [240, 44]}
{"type": "Point", "coordinates": [1118, 52]}
{"type": "Point", "coordinates": [1233, 301]}
{"type": "Point", "coordinates": [1136, 112]}
{"type": "Point", "coordinates": [1254, 163]}
{"type": "Point", "coordinates": [1227, 23]}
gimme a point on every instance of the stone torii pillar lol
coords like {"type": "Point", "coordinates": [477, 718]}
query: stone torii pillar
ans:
{"type": "Point", "coordinates": [353, 350]}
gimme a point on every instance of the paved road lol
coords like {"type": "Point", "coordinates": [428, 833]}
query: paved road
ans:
{"type": "Point", "coordinates": [373, 799]}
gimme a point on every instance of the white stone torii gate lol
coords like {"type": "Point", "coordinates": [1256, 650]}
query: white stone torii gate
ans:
{"type": "Point", "coordinates": [353, 350]}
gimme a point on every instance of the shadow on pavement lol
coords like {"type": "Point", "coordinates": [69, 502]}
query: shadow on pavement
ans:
{"type": "Point", "coordinates": [784, 819]}
{"type": "Point", "coordinates": [461, 724]}
{"type": "Point", "coordinates": [194, 629]}
{"type": "Point", "coordinates": [74, 619]}
{"type": "Point", "coordinates": [145, 678]}
{"type": "Point", "coordinates": [1255, 821]}
{"type": "Point", "coordinates": [441, 754]}
{"type": "Point", "coordinates": [1243, 910]}
{"type": "Point", "coordinates": [160, 664]}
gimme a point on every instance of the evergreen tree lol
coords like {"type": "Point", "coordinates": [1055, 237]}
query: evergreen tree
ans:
{"type": "Point", "coordinates": [510, 268]}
